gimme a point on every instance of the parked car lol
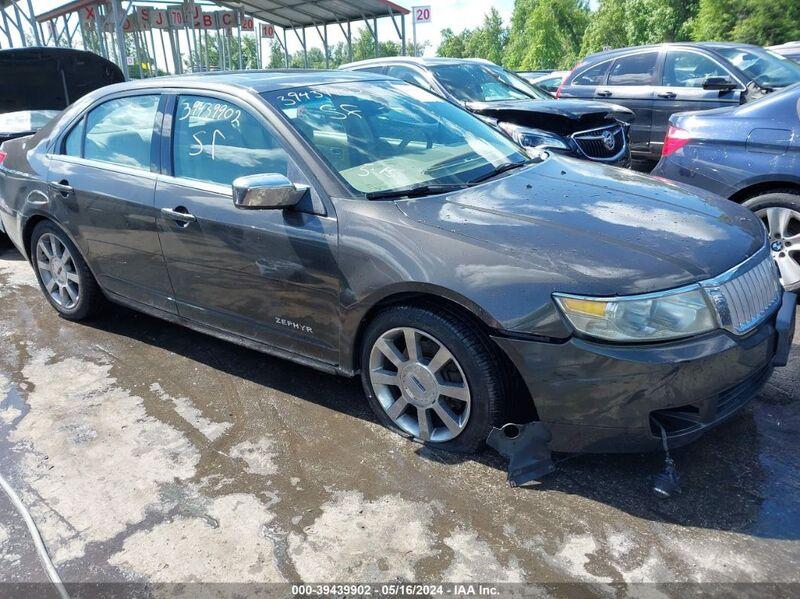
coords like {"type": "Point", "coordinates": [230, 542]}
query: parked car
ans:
{"type": "Point", "coordinates": [358, 224]}
{"type": "Point", "coordinates": [592, 130]}
{"type": "Point", "coordinates": [749, 154]}
{"type": "Point", "coordinates": [549, 82]}
{"type": "Point", "coordinates": [790, 50]}
{"type": "Point", "coordinates": [658, 81]}
{"type": "Point", "coordinates": [40, 82]}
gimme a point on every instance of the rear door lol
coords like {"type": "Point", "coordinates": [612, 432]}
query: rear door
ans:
{"type": "Point", "coordinates": [267, 275]}
{"type": "Point", "coordinates": [681, 89]}
{"type": "Point", "coordinates": [630, 83]}
{"type": "Point", "coordinates": [102, 178]}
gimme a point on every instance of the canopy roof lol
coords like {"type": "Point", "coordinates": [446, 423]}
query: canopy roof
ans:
{"type": "Point", "coordinates": [306, 13]}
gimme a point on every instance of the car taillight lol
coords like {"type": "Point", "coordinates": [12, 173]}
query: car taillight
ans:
{"type": "Point", "coordinates": [675, 139]}
{"type": "Point", "coordinates": [2, 156]}
{"type": "Point", "coordinates": [564, 80]}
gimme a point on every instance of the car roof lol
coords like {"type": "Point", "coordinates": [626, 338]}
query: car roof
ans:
{"type": "Point", "coordinates": [703, 45]}
{"type": "Point", "coordinates": [423, 61]}
{"type": "Point", "coordinates": [259, 81]}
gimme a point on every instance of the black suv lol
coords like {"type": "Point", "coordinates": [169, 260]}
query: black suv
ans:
{"type": "Point", "coordinates": [658, 81]}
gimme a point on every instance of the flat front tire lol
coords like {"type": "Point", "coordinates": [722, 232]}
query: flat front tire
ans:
{"type": "Point", "coordinates": [780, 213]}
{"type": "Point", "coordinates": [64, 278]}
{"type": "Point", "coordinates": [432, 377]}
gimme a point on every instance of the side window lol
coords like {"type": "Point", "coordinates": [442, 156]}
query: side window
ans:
{"type": "Point", "coordinates": [408, 75]}
{"type": "Point", "coordinates": [635, 69]}
{"type": "Point", "coordinates": [74, 140]}
{"type": "Point", "coordinates": [689, 69]}
{"type": "Point", "coordinates": [216, 141]}
{"type": "Point", "coordinates": [378, 70]}
{"type": "Point", "coordinates": [120, 131]}
{"type": "Point", "coordinates": [595, 75]}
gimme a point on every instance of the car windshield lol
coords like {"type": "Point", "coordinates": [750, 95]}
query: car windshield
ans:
{"type": "Point", "coordinates": [382, 136]}
{"type": "Point", "coordinates": [766, 68]}
{"type": "Point", "coordinates": [476, 82]}
{"type": "Point", "coordinates": [24, 121]}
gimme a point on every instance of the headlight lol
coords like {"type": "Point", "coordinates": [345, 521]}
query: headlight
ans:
{"type": "Point", "coordinates": [533, 138]}
{"type": "Point", "coordinates": [651, 317]}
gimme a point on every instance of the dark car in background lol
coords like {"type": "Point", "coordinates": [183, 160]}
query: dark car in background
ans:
{"type": "Point", "coordinates": [358, 224]}
{"type": "Point", "coordinates": [749, 154]}
{"type": "Point", "coordinates": [37, 83]}
{"type": "Point", "coordinates": [595, 131]}
{"type": "Point", "coordinates": [658, 81]}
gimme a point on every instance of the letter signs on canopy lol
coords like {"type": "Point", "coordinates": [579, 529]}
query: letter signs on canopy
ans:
{"type": "Point", "coordinates": [422, 14]}
{"type": "Point", "coordinates": [176, 17]}
{"type": "Point", "coordinates": [226, 19]}
{"type": "Point", "coordinates": [267, 31]}
{"type": "Point", "coordinates": [144, 14]}
{"type": "Point", "coordinates": [159, 19]}
{"type": "Point", "coordinates": [247, 23]}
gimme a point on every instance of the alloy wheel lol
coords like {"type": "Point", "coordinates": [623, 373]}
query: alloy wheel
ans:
{"type": "Point", "coordinates": [783, 225]}
{"type": "Point", "coordinates": [419, 384]}
{"type": "Point", "coordinates": [58, 271]}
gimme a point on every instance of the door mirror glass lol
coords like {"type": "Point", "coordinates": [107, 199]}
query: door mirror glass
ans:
{"type": "Point", "coordinates": [271, 191]}
{"type": "Point", "coordinates": [720, 83]}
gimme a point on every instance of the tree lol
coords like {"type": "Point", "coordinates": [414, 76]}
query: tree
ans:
{"type": "Point", "coordinates": [453, 45]}
{"type": "Point", "coordinates": [546, 33]}
{"type": "Point", "coordinates": [276, 56]}
{"type": "Point", "coordinates": [620, 23]}
{"type": "Point", "coordinates": [762, 22]}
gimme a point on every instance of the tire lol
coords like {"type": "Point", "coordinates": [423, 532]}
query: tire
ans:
{"type": "Point", "coordinates": [72, 275]}
{"type": "Point", "coordinates": [473, 365]}
{"type": "Point", "coordinates": [780, 212]}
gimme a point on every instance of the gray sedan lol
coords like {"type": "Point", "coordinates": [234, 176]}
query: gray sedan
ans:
{"type": "Point", "coordinates": [359, 224]}
{"type": "Point", "coordinates": [751, 155]}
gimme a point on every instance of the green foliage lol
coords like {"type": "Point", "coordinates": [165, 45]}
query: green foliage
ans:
{"type": "Point", "coordinates": [762, 22]}
{"type": "Point", "coordinates": [546, 33]}
{"type": "Point", "coordinates": [487, 41]}
{"type": "Point", "coordinates": [619, 23]}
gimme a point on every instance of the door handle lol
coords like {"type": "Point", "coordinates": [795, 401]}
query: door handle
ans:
{"type": "Point", "coordinates": [668, 95]}
{"type": "Point", "coordinates": [604, 93]}
{"type": "Point", "coordinates": [63, 187]}
{"type": "Point", "coordinates": [178, 214]}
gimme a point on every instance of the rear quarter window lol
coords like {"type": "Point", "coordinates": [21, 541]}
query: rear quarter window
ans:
{"type": "Point", "coordinates": [595, 75]}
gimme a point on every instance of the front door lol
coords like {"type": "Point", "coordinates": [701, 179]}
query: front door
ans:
{"type": "Point", "coordinates": [630, 84]}
{"type": "Point", "coordinates": [104, 177]}
{"type": "Point", "coordinates": [268, 275]}
{"type": "Point", "coordinates": [681, 90]}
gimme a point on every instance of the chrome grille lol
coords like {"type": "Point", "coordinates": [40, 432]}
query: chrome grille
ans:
{"type": "Point", "coordinates": [745, 296]}
{"type": "Point", "coordinates": [605, 143]}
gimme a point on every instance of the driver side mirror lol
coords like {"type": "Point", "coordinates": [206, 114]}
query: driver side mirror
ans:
{"type": "Point", "coordinates": [266, 192]}
{"type": "Point", "coordinates": [720, 83]}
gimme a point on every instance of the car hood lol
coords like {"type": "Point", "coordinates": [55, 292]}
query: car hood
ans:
{"type": "Point", "coordinates": [560, 116]}
{"type": "Point", "coordinates": [596, 230]}
{"type": "Point", "coordinates": [51, 78]}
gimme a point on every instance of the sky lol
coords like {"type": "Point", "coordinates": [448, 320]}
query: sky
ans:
{"type": "Point", "coordinates": [455, 14]}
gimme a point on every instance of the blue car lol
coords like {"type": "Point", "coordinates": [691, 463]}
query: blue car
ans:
{"type": "Point", "coordinates": [749, 154]}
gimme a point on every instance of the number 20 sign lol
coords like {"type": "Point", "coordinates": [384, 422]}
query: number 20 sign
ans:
{"type": "Point", "coordinates": [422, 14]}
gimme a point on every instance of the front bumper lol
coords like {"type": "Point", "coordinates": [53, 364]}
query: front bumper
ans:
{"type": "Point", "coordinates": [602, 398]}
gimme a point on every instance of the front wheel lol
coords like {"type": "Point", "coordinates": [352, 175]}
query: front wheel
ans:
{"type": "Point", "coordinates": [780, 213]}
{"type": "Point", "coordinates": [431, 377]}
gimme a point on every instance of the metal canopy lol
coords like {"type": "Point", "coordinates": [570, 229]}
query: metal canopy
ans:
{"type": "Point", "coordinates": [308, 13]}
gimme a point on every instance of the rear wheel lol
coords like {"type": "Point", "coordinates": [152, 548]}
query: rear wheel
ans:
{"type": "Point", "coordinates": [63, 275]}
{"type": "Point", "coordinates": [780, 213]}
{"type": "Point", "coordinates": [432, 378]}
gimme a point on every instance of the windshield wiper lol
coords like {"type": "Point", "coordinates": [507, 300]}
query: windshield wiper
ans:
{"type": "Point", "coordinates": [498, 170]}
{"type": "Point", "coordinates": [414, 192]}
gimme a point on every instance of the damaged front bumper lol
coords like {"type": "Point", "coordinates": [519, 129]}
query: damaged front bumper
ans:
{"type": "Point", "coordinates": [600, 398]}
